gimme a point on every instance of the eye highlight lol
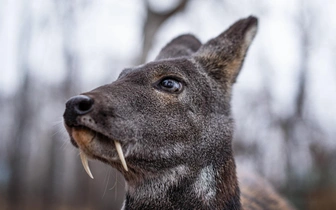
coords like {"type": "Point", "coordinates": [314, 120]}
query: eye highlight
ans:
{"type": "Point", "coordinates": [169, 85]}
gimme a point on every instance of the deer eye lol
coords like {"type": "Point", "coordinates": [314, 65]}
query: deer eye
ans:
{"type": "Point", "coordinates": [170, 85]}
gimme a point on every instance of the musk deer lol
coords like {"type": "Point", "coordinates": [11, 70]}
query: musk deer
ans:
{"type": "Point", "coordinates": [167, 127]}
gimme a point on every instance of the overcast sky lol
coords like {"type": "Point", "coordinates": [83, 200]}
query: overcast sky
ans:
{"type": "Point", "coordinates": [106, 36]}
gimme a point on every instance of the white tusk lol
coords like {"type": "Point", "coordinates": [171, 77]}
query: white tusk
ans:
{"type": "Point", "coordinates": [121, 155]}
{"type": "Point", "coordinates": [85, 163]}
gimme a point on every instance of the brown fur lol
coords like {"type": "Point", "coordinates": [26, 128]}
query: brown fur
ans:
{"type": "Point", "coordinates": [257, 194]}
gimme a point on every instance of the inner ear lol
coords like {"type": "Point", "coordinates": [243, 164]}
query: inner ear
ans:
{"type": "Point", "coordinates": [184, 45]}
{"type": "Point", "coordinates": [223, 56]}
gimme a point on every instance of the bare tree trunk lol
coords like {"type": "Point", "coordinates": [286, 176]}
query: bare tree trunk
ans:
{"type": "Point", "coordinates": [80, 192]}
{"type": "Point", "coordinates": [50, 179]}
{"type": "Point", "coordinates": [23, 117]}
{"type": "Point", "coordinates": [18, 150]}
{"type": "Point", "coordinates": [153, 23]}
{"type": "Point", "coordinates": [291, 124]}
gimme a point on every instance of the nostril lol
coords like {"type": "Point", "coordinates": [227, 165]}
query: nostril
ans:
{"type": "Point", "coordinates": [79, 105]}
{"type": "Point", "coordinates": [84, 105]}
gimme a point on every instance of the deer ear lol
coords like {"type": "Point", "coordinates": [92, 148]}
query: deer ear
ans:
{"type": "Point", "coordinates": [184, 45]}
{"type": "Point", "coordinates": [223, 56]}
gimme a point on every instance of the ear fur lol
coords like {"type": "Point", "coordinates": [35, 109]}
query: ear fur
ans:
{"type": "Point", "coordinates": [184, 45]}
{"type": "Point", "coordinates": [223, 56]}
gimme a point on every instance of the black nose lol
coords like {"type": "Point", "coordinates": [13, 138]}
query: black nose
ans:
{"type": "Point", "coordinates": [76, 106]}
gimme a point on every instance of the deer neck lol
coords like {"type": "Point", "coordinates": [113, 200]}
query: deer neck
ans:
{"type": "Point", "coordinates": [212, 186]}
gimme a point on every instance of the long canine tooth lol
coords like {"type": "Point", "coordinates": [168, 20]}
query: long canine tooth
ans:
{"type": "Point", "coordinates": [85, 163]}
{"type": "Point", "coordinates": [121, 155]}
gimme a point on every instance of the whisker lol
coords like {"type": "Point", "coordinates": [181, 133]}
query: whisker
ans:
{"type": "Point", "coordinates": [107, 179]}
{"type": "Point", "coordinates": [57, 122]}
{"type": "Point", "coordinates": [116, 190]}
{"type": "Point", "coordinates": [64, 145]}
{"type": "Point", "coordinates": [115, 183]}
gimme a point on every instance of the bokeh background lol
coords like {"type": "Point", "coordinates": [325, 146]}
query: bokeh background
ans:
{"type": "Point", "coordinates": [284, 101]}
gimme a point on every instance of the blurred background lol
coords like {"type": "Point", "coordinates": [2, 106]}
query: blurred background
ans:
{"type": "Point", "coordinates": [284, 101]}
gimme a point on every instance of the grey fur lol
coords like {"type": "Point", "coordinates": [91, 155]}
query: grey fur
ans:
{"type": "Point", "coordinates": [177, 145]}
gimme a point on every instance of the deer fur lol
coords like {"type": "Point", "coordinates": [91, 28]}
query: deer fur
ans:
{"type": "Point", "coordinates": [177, 144]}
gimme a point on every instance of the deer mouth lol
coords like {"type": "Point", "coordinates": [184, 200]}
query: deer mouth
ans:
{"type": "Point", "coordinates": [82, 137]}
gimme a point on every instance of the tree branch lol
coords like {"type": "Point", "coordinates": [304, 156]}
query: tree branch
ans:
{"type": "Point", "coordinates": [152, 24]}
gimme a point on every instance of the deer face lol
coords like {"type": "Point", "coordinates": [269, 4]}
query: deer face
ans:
{"type": "Point", "coordinates": [169, 112]}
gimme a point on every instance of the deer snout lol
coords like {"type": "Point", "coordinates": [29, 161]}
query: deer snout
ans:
{"type": "Point", "coordinates": [77, 106]}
